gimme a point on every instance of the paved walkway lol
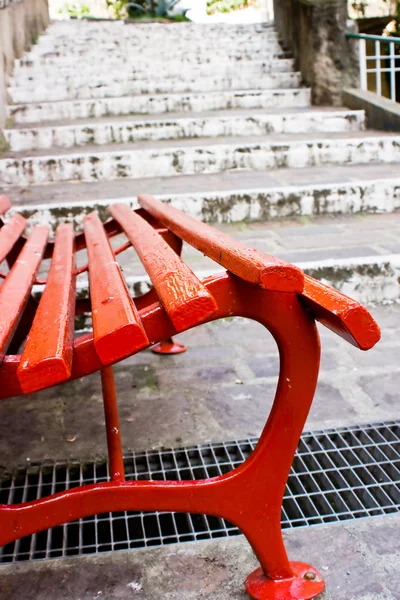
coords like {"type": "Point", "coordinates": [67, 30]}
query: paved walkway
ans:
{"type": "Point", "coordinates": [359, 561]}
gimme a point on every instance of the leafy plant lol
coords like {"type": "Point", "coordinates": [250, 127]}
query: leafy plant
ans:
{"type": "Point", "coordinates": [141, 8]}
{"type": "Point", "coordinates": [76, 11]}
{"type": "Point", "coordinates": [224, 6]}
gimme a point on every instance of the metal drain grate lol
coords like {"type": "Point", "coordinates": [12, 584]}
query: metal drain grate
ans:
{"type": "Point", "coordinates": [337, 474]}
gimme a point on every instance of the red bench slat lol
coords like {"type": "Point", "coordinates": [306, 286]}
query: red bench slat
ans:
{"type": "Point", "coordinates": [184, 297]}
{"type": "Point", "coordinates": [249, 264]}
{"type": "Point", "coordinates": [47, 357]}
{"type": "Point", "coordinates": [117, 328]}
{"type": "Point", "coordinates": [14, 292]}
{"type": "Point", "coordinates": [5, 204]}
{"type": "Point", "coordinates": [343, 315]}
{"type": "Point", "coordinates": [10, 233]}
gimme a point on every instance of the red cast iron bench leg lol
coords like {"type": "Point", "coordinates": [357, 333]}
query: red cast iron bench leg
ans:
{"type": "Point", "coordinates": [256, 286]}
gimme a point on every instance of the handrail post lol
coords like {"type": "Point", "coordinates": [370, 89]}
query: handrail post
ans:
{"type": "Point", "coordinates": [378, 77]}
{"type": "Point", "coordinates": [363, 64]}
{"type": "Point", "coordinates": [392, 57]}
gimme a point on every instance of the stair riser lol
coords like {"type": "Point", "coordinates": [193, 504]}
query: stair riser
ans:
{"type": "Point", "coordinates": [108, 40]}
{"type": "Point", "coordinates": [147, 70]}
{"type": "Point", "coordinates": [114, 38]}
{"type": "Point", "coordinates": [176, 70]}
{"type": "Point", "coordinates": [268, 49]}
{"type": "Point", "coordinates": [120, 133]}
{"type": "Point", "coordinates": [107, 90]}
{"type": "Point", "coordinates": [87, 109]}
{"type": "Point", "coordinates": [117, 58]}
{"type": "Point", "coordinates": [66, 27]}
{"type": "Point", "coordinates": [235, 206]}
{"type": "Point", "coordinates": [182, 31]}
{"type": "Point", "coordinates": [201, 159]}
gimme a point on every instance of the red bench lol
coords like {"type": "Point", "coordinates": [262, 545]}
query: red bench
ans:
{"type": "Point", "coordinates": [255, 285]}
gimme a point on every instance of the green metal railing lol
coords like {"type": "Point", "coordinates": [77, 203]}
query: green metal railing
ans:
{"type": "Point", "coordinates": [385, 60]}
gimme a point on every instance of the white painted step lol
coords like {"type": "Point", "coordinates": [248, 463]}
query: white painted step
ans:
{"type": "Point", "coordinates": [159, 104]}
{"type": "Point", "coordinates": [189, 56]}
{"type": "Point", "coordinates": [109, 88]}
{"type": "Point", "coordinates": [148, 34]}
{"type": "Point", "coordinates": [268, 48]}
{"type": "Point", "coordinates": [147, 37]}
{"type": "Point", "coordinates": [151, 159]}
{"type": "Point", "coordinates": [24, 76]}
{"type": "Point", "coordinates": [227, 198]}
{"type": "Point", "coordinates": [91, 75]}
{"type": "Point", "coordinates": [175, 127]}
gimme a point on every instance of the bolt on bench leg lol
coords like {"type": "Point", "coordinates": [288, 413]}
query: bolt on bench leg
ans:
{"type": "Point", "coordinates": [112, 425]}
{"type": "Point", "coordinates": [304, 583]}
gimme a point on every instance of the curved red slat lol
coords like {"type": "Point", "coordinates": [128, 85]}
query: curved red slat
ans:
{"type": "Point", "coordinates": [47, 356]}
{"type": "Point", "coordinates": [10, 233]}
{"type": "Point", "coordinates": [343, 315]}
{"type": "Point", "coordinates": [249, 264]}
{"type": "Point", "coordinates": [14, 292]}
{"type": "Point", "coordinates": [5, 204]}
{"type": "Point", "coordinates": [183, 296]}
{"type": "Point", "coordinates": [117, 329]}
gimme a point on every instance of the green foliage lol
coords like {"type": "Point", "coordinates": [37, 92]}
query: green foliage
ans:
{"type": "Point", "coordinates": [226, 5]}
{"type": "Point", "coordinates": [75, 10]}
{"type": "Point", "coordinates": [141, 9]}
{"type": "Point", "coordinates": [118, 8]}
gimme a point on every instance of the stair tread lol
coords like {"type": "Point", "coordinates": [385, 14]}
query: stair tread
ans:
{"type": "Point", "coordinates": [164, 145]}
{"type": "Point", "coordinates": [172, 116]}
{"type": "Point", "coordinates": [82, 193]}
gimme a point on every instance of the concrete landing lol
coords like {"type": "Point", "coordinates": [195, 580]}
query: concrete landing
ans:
{"type": "Point", "coordinates": [360, 560]}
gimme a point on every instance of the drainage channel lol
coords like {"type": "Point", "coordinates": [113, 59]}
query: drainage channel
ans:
{"type": "Point", "coordinates": [337, 474]}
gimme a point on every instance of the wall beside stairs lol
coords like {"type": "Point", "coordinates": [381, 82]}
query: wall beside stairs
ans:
{"type": "Point", "coordinates": [314, 30]}
{"type": "Point", "coordinates": [20, 25]}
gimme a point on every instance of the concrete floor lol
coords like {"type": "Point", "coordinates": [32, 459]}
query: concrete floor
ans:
{"type": "Point", "coordinates": [358, 560]}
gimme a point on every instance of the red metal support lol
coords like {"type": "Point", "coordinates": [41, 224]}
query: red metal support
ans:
{"type": "Point", "coordinates": [250, 496]}
{"type": "Point", "coordinates": [113, 431]}
{"type": "Point", "coordinates": [168, 347]}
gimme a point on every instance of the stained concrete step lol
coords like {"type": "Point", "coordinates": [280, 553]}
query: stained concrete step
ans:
{"type": "Point", "coordinates": [119, 57]}
{"type": "Point", "coordinates": [101, 71]}
{"type": "Point", "coordinates": [24, 76]}
{"type": "Point", "coordinates": [187, 157]}
{"type": "Point", "coordinates": [180, 35]}
{"type": "Point", "coordinates": [242, 196]}
{"type": "Point", "coordinates": [116, 85]}
{"type": "Point", "coordinates": [186, 30]}
{"type": "Point", "coordinates": [215, 124]}
{"type": "Point", "coordinates": [158, 104]}
{"type": "Point", "coordinates": [145, 35]}
{"type": "Point", "coordinates": [204, 44]}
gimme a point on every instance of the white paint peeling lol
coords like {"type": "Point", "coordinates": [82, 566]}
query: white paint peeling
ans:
{"type": "Point", "coordinates": [158, 104]}
{"type": "Point", "coordinates": [110, 87]}
{"type": "Point", "coordinates": [379, 196]}
{"type": "Point", "coordinates": [215, 158]}
{"type": "Point", "coordinates": [68, 136]}
{"type": "Point", "coordinates": [146, 69]}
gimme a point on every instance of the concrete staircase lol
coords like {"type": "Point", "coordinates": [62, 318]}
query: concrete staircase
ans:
{"type": "Point", "coordinates": [212, 118]}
